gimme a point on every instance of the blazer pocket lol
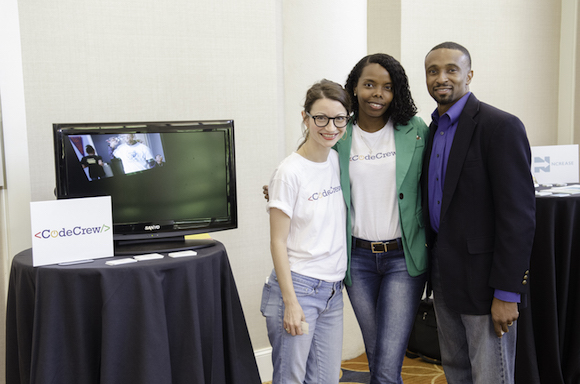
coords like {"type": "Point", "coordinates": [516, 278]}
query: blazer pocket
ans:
{"type": "Point", "coordinates": [479, 245]}
{"type": "Point", "coordinates": [420, 142]}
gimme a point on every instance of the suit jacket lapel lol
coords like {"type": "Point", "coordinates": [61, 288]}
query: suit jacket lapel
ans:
{"type": "Point", "coordinates": [429, 149]}
{"type": "Point", "coordinates": [461, 141]}
{"type": "Point", "coordinates": [343, 147]}
{"type": "Point", "coordinates": [405, 147]}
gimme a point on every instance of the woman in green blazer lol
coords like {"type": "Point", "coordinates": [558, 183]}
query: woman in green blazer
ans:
{"type": "Point", "coordinates": [381, 159]}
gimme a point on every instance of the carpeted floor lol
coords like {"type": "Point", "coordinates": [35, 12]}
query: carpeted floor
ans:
{"type": "Point", "coordinates": [415, 371]}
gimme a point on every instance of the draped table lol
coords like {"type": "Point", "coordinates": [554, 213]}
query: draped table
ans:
{"type": "Point", "coordinates": [172, 320]}
{"type": "Point", "coordinates": [548, 348]}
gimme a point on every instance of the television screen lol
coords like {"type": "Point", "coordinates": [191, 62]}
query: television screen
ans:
{"type": "Point", "coordinates": [166, 179]}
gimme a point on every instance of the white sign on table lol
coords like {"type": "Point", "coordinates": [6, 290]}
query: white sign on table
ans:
{"type": "Point", "coordinates": [553, 164]}
{"type": "Point", "coordinates": [71, 230]}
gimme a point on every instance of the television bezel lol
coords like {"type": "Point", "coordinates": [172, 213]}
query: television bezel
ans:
{"type": "Point", "coordinates": [128, 239]}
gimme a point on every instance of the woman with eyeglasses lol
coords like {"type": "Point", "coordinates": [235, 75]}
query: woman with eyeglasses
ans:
{"type": "Point", "coordinates": [381, 162]}
{"type": "Point", "coordinates": [302, 298]}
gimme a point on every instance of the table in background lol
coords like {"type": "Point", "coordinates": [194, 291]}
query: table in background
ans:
{"type": "Point", "coordinates": [549, 328]}
{"type": "Point", "coordinates": [158, 321]}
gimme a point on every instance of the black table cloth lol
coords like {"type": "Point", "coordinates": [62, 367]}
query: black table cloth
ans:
{"type": "Point", "coordinates": [158, 321]}
{"type": "Point", "coordinates": [548, 348]}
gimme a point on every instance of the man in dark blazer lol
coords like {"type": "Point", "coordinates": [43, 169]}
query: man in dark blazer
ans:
{"type": "Point", "coordinates": [479, 206]}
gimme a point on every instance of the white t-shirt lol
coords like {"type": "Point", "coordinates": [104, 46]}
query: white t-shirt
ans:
{"type": "Point", "coordinates": [310, 194]}
{"type": "Point", "coordinates": [134, 157]}
{"type": "Point", "coordinates": [373, 184]}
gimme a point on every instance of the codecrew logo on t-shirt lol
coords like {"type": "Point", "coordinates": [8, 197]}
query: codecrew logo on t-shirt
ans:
{"type": "Point", "coordinates": [378, 156]}
{"type": "Point", "coordinates": [325, 193]}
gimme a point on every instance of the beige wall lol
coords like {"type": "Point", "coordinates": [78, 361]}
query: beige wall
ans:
{"type": "Point", "coordinates": [384, 27]}
{"type": "Point", "coordinates": [515, 53]}
{"type": "Point", "coordinates": [524, 55]}
{"type": "Point", "coordinates": [514, 47]}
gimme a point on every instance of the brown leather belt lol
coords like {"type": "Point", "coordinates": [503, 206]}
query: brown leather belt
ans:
{"type": "Point", "coordinates": [377, 246]}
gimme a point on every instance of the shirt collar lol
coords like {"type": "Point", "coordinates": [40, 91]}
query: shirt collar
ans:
{"type": "Point", "coordinates": [454, 112]}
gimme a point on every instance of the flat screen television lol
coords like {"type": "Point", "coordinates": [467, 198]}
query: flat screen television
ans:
{"type": "Point", "coordinates": [166, 179]}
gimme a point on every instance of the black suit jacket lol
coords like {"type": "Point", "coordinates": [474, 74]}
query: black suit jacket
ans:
{"type": "Point", "coordinates": [487, 221]}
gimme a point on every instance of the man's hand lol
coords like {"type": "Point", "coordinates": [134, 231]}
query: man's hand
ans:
{"type": "Point", "coordinates": [503, 315]}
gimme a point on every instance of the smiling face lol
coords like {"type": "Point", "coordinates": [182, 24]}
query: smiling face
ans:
{"type": "Point", "coordinates": [324, 137]}
{"type": "Point", "coordinates": [374, 92]}
{"type": "Point", "coordinates": [448, 75]}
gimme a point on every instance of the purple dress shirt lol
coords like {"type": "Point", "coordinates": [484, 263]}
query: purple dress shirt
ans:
{"type": "Point", "coordinates": [445, 127]}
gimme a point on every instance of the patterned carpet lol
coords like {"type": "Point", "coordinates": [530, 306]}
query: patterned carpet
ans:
{"type": "Point", "coordinates": [415, 371]}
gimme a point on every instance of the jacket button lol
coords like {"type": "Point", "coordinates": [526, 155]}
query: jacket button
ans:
{"type": "Point", "coordinates": [524, 282]}
{"type": "Point", "coordinates": [400, 196]}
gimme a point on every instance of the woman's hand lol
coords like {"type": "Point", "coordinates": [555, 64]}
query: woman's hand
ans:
{"type": "Point", "coordinates": [279, 229]}
{"type": "Point", "coordinates": [293, 318]}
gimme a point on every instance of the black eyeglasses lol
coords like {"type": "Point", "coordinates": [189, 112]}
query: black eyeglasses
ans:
{"type": "Point", "coordinates": [322, 120]}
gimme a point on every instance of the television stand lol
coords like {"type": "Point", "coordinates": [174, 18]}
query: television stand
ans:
{"type": "Point", "coordinates": [139, 247]}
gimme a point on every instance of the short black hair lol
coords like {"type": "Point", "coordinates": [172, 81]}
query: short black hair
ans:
{"type": "Point", "coordinates": [453, 45]}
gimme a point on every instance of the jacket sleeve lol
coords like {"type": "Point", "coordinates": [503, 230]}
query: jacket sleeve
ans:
{"type": "Point", "coordinates": [514, 204]}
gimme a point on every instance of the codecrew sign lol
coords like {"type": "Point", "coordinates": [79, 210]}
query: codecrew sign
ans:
{"type": "Point", "coordinates": [71, 230]}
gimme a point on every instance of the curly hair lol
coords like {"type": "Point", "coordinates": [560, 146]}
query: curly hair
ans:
{"type": "Point", "coordinates": [402, 108]}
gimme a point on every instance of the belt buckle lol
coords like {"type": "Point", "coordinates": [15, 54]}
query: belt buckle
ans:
{"type": "Point", "coordinates": [376, 243]}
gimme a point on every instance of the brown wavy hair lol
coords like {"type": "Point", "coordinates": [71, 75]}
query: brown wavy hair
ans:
{"type": "Point", "coordinates": [326, 89]}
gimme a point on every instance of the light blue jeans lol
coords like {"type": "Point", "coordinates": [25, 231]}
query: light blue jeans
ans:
{"type": "Point", "coordinates": [312, 358]}
{"type": "Point", "coordinates": [385, 299]}
{"type": "Point", "coordinates": [471, 352]}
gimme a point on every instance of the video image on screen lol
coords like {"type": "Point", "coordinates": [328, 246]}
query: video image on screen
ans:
{"type": "Point", "coordinates": [104, 156]}
{"type": "Point", "coordinates": [152, 177]}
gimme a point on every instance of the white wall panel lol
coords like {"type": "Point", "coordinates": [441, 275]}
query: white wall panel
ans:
{"type": "Point", "coordinates": [515, 52]}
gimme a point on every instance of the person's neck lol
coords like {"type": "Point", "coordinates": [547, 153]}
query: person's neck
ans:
{"type": "Point", "coordinates": [312, 152]}
{"type": "Point", "coordinates": [443, 108]}
{"type": "Point", "coordinates": [371, 124]}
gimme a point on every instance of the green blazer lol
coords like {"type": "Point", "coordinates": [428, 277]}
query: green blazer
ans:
{"type": "Point", "coordinates": [410, 144]}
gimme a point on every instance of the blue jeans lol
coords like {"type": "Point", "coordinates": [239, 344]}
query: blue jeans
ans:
{"type": "Point", "coordinates": [385, 299]}
{"type": "Point", "coordinates": [471, 352]}
{"type": "Point", "coordinates": [308, 358]}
